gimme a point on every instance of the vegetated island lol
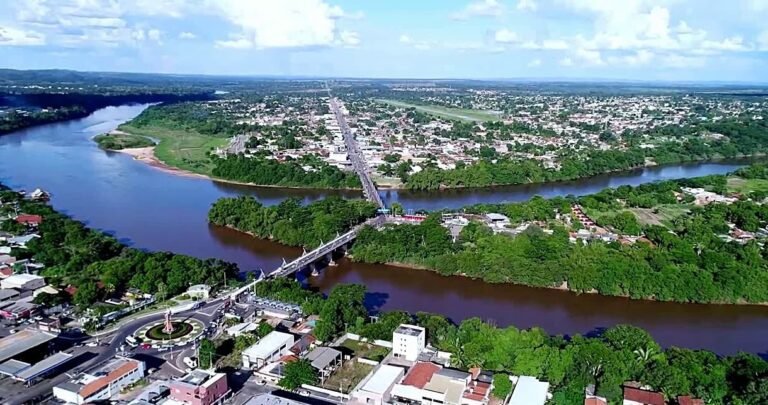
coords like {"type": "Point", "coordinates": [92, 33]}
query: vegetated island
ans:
{"type": "Point", "coordinates": [690, 240]}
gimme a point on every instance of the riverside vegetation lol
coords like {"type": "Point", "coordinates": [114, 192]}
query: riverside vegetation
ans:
{"type": "Point", "coordinates": [618, 354]}
{"type": "Point", "coordinates": [685, 260]}
{"type": "Point", "coordinates": [97, 265]}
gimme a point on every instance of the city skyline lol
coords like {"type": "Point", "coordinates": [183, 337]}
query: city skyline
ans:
{"type": "Point", "coordinates": [641, 40]}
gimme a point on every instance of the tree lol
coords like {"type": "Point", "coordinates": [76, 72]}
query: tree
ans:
{"type": "Point", "coordinates": [297, 373]}
{"type": "Point", "coordinates": [345, 304]}
{"type": "Point", "coordinates": [87, 294]}
{"type": "Point", "coordinates": [502, 385]}
{"type": "Point", "coordinates": [206, 353]}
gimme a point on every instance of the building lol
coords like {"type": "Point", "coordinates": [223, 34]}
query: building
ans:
{"type": "Point", "coordinates": [16, 310]}
{"type": "Point", "coordinates": [200, 387]}
{"type": "Point", "coordinates": [101, 383]}
{"type": "Point", "coordinates": [429, 383]}
{"type": "Point", "coordinates": [408, 341]}
{"type": "Point", "coordinates": [378, 388]}
{"type": "Point", "coordinates": [29, 220]}
{"type": "Point", "coordinates": [270, 348]}
{"type": "Point", "coordinates": [689, 400]}
{"type": "Point", "coordinates": [529, 391]}
{"type": "Point", "coordinates": [8, 294]}
{"type": "Point", "coordinates": [326, 360]}
{"type": "Point", "coordinates": [23, 282]}
{"type": "Point", "coordinates": [638, 396]}
{"type": "Point", "coordinates": [201, 291]}
{"type": "Point", "coordinates": [29, 373]}
{"type": "Point", "coordinates": [22, 344]}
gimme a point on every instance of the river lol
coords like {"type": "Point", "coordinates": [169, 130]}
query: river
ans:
{"type": "Point", "coordinates": [150, 209]}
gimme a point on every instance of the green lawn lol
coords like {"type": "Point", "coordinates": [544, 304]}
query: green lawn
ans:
{"type": "Point", "coordinates": [348, 376]}
{"type": "Point", "coordinates": [366, 350]}
{"type": "Point", "coordinates": [179, 148]}
{"type": "Point", "coordinates": [660, 215]}
{"type": "Point", "coordinates": [446, 112]}
{"type": "Point", "coordinates": [745, 186]}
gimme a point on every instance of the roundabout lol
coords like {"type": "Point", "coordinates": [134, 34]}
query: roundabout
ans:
{"type": "Point", "coordinates": [170, 332]}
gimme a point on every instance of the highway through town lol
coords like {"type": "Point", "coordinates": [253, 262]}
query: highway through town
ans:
{"type": "Point", "coordinates": [356, 156]}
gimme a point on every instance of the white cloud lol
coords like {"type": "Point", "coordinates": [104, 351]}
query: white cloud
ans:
{"type": "Point", "coordinates": [154, 35]}
{"type": "Point", "coordinates": [534, 63]}
{"type": "Point", "coordinates": [548, 45]}
{"type": "Point", "coordinates": [187, 35]}
{"type": "Point", "coordinates": [16, 37]}
{"type": "Point", "coordinates": [480, 8]}
{"type": "Point", "coordinates": [420, 45]}
{"type": "Point", "coordinates": [235, 43]}
{"type": "Point", "coordinates": [527, 5]}
{"type": "Point", "coordinates": [284, 24]}
{"type": "Point", "coordinates": [566, 61]}
{"type": "Point", "coordinates": [505, 36]}
{"type": "Point", "coordinates": [589, 57]}
{"type": "Point", "coordinates": [349, 39]}
{"type": "Point", "coordinates": [733, 44]}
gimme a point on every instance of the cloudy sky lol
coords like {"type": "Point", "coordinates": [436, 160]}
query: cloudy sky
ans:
{"type": "Point", "coordinates": [690, 40]}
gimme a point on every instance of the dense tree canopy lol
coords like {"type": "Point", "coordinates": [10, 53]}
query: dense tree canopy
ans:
{"type": "Point", "coordinates": [290, 222]}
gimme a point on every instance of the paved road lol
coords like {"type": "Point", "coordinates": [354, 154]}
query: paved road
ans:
{"type": "Point", "coordinates": [356, 156]}
{"type": "Point", "coordinates": [112, 347]}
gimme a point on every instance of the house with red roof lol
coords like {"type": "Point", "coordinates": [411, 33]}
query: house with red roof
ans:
{"type": "Point", "coordinates": [428, 382]}
{"type": "Point", "coordinates": [689, 400]}
{"type": "Point", "coordinates": [638, 396]}
{"type": "Point", "coordinates": [29, 220]}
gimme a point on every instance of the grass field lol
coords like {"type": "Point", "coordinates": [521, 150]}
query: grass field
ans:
{"type": "Point", "coordinates": [366, 350]}
{"type": "Point", "coordinates": [182, 149]}
{"type": "Point", "coordinates": [660, 215]}
{"type": "Point", "coordinates": [445, 112]}
{"type": "Point", "coordinates": [745, 186]}
{"type": "Point", "coordinates": [348, 376]}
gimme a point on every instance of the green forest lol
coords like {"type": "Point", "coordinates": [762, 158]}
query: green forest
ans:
{"type": "Point", "coordinates": [291, 173]}
{"type": "Point", "coordinates": [98, 265]}
{"type": "Point", "coordinates": [687, 263]}
{"type": "Point", "coordinates": [290, 222]}
{"type": "Point", "coordinates": [618, 354]}
{"type": "Point", "coordinates": [744, 137]}
{"type": "Point", "coordinates": [122, 141]}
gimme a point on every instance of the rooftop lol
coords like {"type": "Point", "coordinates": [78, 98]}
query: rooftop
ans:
{"type": "Point", "coordinates": [643, 396]}
{"type": "Point", "coordinates": [382, 379]}
{"type": "Point", "coordinates": [420, 374]}
{"type": "Point", "coordinates": [322, 357]}
{"type": "Point", "coordinates": [409, 330]}
{"type": "Point", "coordinates": [529, 391]}
{"type": "Point", "coordinates": [22, 341]}
{"type": "Point", "coordinates": [264, 347]}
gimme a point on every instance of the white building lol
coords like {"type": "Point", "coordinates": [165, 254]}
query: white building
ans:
{"type": "Point", "coordinates": [23, 282]}
{"type": "Point", "coordinates": [378, 388]}
{"type": "Point", "coordinates": [201, 291]}
{"type": "Point", "coordinates": [270, 348]}
{"type": "Point", "coordinates": [101, 383]}
{"type": "Point", "coordinates": [529, 391]}
{"type": "Point", "coordinates": [408, 341]}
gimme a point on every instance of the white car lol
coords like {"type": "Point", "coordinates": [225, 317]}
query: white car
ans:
{"type": "Point", "coordinates": [304, 393]}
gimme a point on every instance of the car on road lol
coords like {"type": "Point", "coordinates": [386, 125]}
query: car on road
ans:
{"type": "Point", "coordinates": [304, 393]}
{"type": "Point", "coordinates": [145, 346]}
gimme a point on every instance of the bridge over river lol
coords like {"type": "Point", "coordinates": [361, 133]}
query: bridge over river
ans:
{"type": "Point", "coordinates": [326, 249]}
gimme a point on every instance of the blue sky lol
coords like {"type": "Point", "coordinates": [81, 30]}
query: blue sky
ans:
{"type": "Point", "coordinates": [677, 40]}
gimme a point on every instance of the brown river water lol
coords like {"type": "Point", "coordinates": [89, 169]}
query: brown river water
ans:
{"type": "Point", "coordinates": [150, 209]}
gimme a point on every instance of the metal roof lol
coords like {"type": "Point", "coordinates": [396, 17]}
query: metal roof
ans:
{"type": "Point", "coordinates": [43, 366]}
{"type": "Point", "coordinates": [268, 345]}
{"type": "Point", "coordinates": [529, 391]}
{"type": "Point", "coordinates": [22, 341]}
{"type": "Point", "coordinates": [322, 357]}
